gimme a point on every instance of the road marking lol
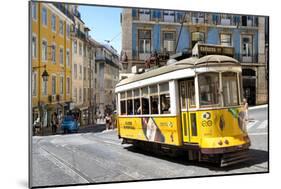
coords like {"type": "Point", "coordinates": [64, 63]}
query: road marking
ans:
{"type": "Point", "coordinates": [251, 124]}
{"type": "Point", "coordinates": [64, 166]}
{"type": "Point", "coordinates": [255, 134]}
{"type": "Point", "coordinates": [262, 125]}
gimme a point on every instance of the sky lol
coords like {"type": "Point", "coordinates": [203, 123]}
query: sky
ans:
{"type": "Point", "coordinates": [104, 23]}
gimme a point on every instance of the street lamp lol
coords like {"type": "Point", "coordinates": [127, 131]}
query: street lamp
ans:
{"type": "Point", "coordinates": [45, 76]}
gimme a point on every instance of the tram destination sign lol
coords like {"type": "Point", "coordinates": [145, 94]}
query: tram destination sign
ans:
{"type": "Point", "coordinates": [204, 50]}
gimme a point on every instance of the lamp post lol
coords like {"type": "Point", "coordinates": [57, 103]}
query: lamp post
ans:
{"type": "Point", "coordinates": [45, 76]}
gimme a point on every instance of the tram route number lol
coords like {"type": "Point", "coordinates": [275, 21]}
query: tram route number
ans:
{"type": "Point", "coordinates": [208, 123]}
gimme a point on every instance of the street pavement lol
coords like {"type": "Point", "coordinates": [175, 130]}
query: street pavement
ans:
{"type": "Point", "coordinates": [98, 157]}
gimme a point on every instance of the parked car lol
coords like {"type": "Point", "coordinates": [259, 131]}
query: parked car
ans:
{"type": "Point", "coordinates": [69, 124]}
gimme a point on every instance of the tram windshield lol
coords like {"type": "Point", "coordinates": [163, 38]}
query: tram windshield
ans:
{"type": "Point", "coordinates": [230, 88]}
{"type": "Point", "coordinates": [209, 89]}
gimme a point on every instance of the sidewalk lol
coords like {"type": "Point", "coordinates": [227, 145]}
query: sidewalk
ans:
{"type": "Point", "coordinates": [99, 127]}
{"type": "Point", "coordinates": [257, 107]}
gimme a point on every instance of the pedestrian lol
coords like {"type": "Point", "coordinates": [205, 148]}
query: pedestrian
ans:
{"type": "Point", "coordinates": [245, 108]}
{"type": "Point", "coordinates": [107, 121]}
{"type": "Point", "coordinates": [55, 123]}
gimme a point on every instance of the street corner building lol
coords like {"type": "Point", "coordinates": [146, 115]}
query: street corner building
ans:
{"type": "Point", "coordinates": [50, 54]}
{"type": "Point", "coordinates": [71, 71]}
{"type": "Point", "coordinates": [167, 32]}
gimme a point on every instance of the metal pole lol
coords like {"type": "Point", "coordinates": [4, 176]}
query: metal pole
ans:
{"type": "Point", "coordinates": [180, 32]}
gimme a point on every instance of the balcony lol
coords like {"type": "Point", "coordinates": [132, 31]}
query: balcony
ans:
{"type": "Point", "coordinates": [62, 8]}
{"type": "Point", "coordinates": [247, 59]}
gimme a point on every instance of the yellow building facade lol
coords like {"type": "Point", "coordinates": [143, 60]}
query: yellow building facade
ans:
{"type": "Point", "coordinates": [51, 50]}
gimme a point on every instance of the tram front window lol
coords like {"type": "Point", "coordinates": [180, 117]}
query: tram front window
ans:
{"type": "Point", "coordinates": [230, 89]}
{"type": "Point", "coordinates": [208, 89]}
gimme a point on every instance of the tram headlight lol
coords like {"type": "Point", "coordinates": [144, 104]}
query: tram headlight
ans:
{"type": "Point", "coordinates": [220, 143]}
{"type": "Point", "coordinates": [226, 141]}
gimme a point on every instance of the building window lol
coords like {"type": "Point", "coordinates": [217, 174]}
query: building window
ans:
{"type": "Point", "coordinates": [85, 73]}
{"type": "Point", "coordinates": [44, 87]}
{"type": "Point", "coordinates": [169, 16]}
{"type": "Point", "coordinates": [61, 85]}
{"type": "Point", "coordinates": [198, 17]}
{"type": "Point", "coordinates": [80, 95]}
{"type": "Point", "coordinates": [75, 71]}
{"type": "Point", "coordinates": [53, 22]}
{"type": "Point", "coordinates": [226, 39]}
{"type": "Point", "coordinates": [67, 85]}
{"type": "Point", "coordinates": [84, 95]}
{"type": "Point", "coordinates": [44, 50]}
{"type": "Point", "coordinates": [44, 16]}
{"type": "Point", "coordinates": [75, 94]}
{"type": "Point", "coordinates": [144, 43]}
{"type": "Point", "coordinates": [34, 84]}
{"type": "Point", "coordinates": [54, 85]}
{"type": "Point", "coordinates": [247, 21]}
{"type": "Point", "coordinates": [61, 27]}
{"type": "Point", "coordinates": [169, 41]}
{"type": "Point", "coordinates": [144, 14]}
{"type": "Point", "coordinates": [215, 19]}
{"type": "Point", "coordinates": [226, 19]}
{"type": "Point", "coordinates": [61, 56]}
{"type": "Point", "coordinates": [34, 10]}
{"type": "Point", "coordinates": [80, 70]}
{"type": "Point", "coordinates": [53, 53]}
{"type": "Point", "coordinates": [247, 48]}
{"type": "Point", "coordinates": [75, 47]}
{"type": "Point", "coordinates": [34, 47]}
{"type": "Point", "coordinates": [80, 49]}
{"type": "Point", "coordinates": [67, 30]}
{"type": "Point", "coordinates": [67, 57]}
{"type": "Point", "coordinates": [197, 37]}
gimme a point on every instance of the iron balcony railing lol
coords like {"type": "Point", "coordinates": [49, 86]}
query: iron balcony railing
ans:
{"type": "Point", "coordinates": [64, 10]}
{"type": "Point", "coordinates": [205, 18]}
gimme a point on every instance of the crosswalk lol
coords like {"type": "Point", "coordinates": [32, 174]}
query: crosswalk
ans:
{"type": "Point", "coordinates": [257, 127]}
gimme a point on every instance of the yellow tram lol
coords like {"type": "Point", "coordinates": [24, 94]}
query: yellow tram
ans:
{"type": "Point", "coordinates": [192, 105]}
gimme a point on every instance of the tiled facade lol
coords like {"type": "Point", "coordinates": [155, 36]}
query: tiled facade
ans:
{"type": "Point", "coordinates": [170, 32]}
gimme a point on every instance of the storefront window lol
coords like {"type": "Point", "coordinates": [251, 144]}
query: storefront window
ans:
{"type": "Point", "coordinates": [208, 89]}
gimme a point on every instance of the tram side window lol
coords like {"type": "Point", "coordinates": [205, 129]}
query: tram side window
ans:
{"type": "Point", "coordinates": [137, 106]}
{"type": "Point", "coordinates": [209, 89]}
{"type": "Point", "coordinates": [144, 100]}
{"type": "Point", "coordinates": [165, 104]}
{"type": "Point", "coordinates": [123, 103]}
{"type": "Point", "coordinates": [164, 98]}
{"type": "Point", "coordinates": [154, 99]}
{"type": "Point", "coordinates": [241, 88]}
{"type": "Point", "coordinates": [230, 88]}
{"type": "Point", "coordinates": [191, 94]}
{"type": "Point", "coordinates": [129, 103]}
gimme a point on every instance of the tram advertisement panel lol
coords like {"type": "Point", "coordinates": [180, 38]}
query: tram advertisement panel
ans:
{"type": "Point", "coordinates": [154, 129]}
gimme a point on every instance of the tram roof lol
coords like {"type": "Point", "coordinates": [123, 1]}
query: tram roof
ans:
{"type": "Point", "coordinates": [191, 62]}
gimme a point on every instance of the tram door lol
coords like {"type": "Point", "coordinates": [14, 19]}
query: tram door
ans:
{"type": "Point", "coordinates": [187, 101]}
